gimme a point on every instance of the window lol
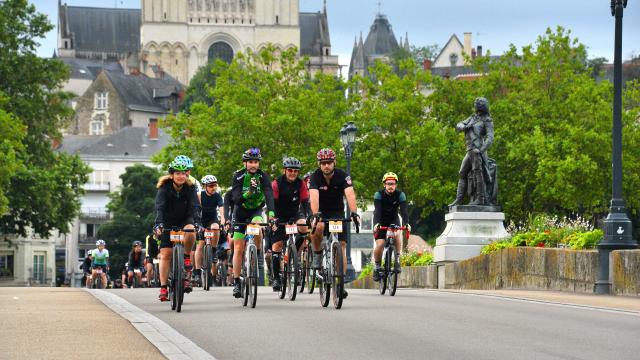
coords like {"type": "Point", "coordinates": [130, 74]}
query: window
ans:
{"type": "Point", "coordinates": [101, 100]}
{"type": "Point", "coordinates": [221, 50]}
{"type": "Point", "coordinates": [99, 177]}
{"type": "Point", "coordinates": [97, 128]}
{"type": "Point", "coordinates": [453, 58]}
{"type": "Point", "coordinates": [277, 19]}
{"type": "Point", "coordinates": [38, 268]}
{"type": "Point", "coordinates": [366, 221]}
{"type": "Point", "coordinates": [6, 266]}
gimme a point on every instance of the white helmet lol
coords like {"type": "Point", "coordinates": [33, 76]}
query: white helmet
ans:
{"type": "Point", "coordinates": [100, 242]}
{"type": "Point", "coordinates": [208, 179]}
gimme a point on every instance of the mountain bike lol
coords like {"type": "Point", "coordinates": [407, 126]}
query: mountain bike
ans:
{"type": "Point", "coordinates": [176, 273]}
{"type": "Point", "coordinates": [249, 272]}
{"type": "Point", "coordinates": [389, 272]}
{"type": "Point", "coordinates": [290, 267]}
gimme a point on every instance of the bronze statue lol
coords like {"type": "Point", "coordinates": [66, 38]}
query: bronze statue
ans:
{"type": "Point", "coordinates": [477, 172]}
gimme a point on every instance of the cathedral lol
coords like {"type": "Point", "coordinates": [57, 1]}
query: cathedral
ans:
{"type": "Point", "coordinates": [180, 36]}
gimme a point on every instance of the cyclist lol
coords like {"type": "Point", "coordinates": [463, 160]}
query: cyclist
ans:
{"type": "Point", "coordinates": [100, 260]}
{"type": "Point", "coordinates": [189, 162]}
{"type": "Point", "coordinates": [212, 204]}
{"type": "Point", "coordinates": [328, 186]}
{"type": "Point", "coordinates": [251, 190]}
{"type": "Point", "coordinates": [176, 206]}
{"type": "Point", "coordinates": [86, 269]}
{"type": "Point", "coordinates": [387, 202]}
{"type": "Point", "coordinates": [123, 275]}
{"type": "Point", "coordinates": [228, 214]}
{"type": "Point", "coordinates": [151, 245]}
{"type": "Point", "coordinates": [136, 261]}
{"type": "Point", "coordinates": [291, 198]}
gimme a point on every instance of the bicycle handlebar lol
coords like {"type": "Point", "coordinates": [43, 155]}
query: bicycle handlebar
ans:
{"type": "Point", "coordinates": [395, 228]}
{"type": "Point", "coordinates": [336, 219]}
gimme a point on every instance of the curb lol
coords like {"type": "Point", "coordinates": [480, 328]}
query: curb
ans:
{"type": "Point", "coordinates": [169, 342]}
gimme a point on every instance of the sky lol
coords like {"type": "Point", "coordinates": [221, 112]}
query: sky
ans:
{"type": "Point", "coordinates": [494, 24]}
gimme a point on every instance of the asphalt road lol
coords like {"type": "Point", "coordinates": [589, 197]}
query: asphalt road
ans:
{"type": "Point", "coordinates": [415, 324]}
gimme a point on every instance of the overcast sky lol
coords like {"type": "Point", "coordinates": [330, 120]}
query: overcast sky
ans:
{"type": "Point", "coordinates": [494, 23]}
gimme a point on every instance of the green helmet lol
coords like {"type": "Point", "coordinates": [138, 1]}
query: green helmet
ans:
{"type": "Point", "coordinates": [178, 165]}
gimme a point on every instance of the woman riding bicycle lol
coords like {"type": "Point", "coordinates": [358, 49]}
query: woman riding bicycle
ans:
{"type": "Point", "coordinates": [176, 206]}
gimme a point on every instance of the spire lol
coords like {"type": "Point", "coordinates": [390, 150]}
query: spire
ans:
{"type": "Point", "coordinates": [406, 41]}
{"type": "Point", "coordinates": [54, 54]}
{"type": "Point", "coordinates": [324, 8]}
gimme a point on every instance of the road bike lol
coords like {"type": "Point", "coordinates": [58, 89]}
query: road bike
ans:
{"type": "Point", "coordinates": [208, 261]}
{"type": "Point", "coordinates": [249, 271]}
{"type": "Point", "coordinates": [177, 271]}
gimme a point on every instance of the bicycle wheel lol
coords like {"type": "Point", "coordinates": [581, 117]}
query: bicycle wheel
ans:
{"type": "Point", "coordinates": [178, 252]}
{"type": "Point", "coordinates": [206, 267]}
{"type": "Point", "coordinates": [99, 282]}
{"type": "Point", "coordinates": [324, 284]}
{"type": "Point", "coordinates": [392, 278]}
{"type": "Point", "coordinates": [302, 275]}
{"type": "Point", "coordinates": [337, 276]}
{"type": "Point", "coordinates": [284, 275]}
{"type": "Point", "coordinates": [292, 275]}
{"type": "Point", "coordinates": [253, 278]}
{"type": "Point", "coordinates": [311, 273]}
{"type": "Point", "coordinates": [382, 282]}
{"type": "Point", "coordinates": [172, 280]}
{"type": "Point", "coordinates": [136, 284]}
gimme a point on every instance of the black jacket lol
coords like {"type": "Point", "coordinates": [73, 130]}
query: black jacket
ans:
{"type": "Point", "coordinates": [174, 208]}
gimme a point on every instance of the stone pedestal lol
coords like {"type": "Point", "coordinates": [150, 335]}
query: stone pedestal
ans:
{"type": "Point", "coordinates": [469, 228]}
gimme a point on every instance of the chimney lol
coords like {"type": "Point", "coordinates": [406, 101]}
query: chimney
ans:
{"type": "Point", "coordinates": [426, 64]}
{"type": "Point", "coordinates": [473, 53]}
{"type": "Point", "coordinates": [153, 129]}
{"type": "Point", "coordinates": [467, 43]}
{"type": "Point", "coordinates": [55, 143]}
{"type": "Point", "coordinates": [479, 51]}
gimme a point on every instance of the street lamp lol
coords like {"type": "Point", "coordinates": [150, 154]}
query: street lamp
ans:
{"type": "Point", "coordinates": [348, 140]}
{"type": "Point", "coordinates": [617, 226]}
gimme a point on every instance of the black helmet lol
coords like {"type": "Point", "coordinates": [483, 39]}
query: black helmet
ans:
{"type": "Point", "coordinates": [291, 163]}
{"type": "Point", "coordinates": [252, 154]}
{"type": "Point", "coordinates": [137, 243]}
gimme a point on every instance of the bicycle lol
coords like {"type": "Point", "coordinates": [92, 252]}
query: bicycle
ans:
{"type": "Point", "coordinates": [176, 273]}
{"type": "Point", "coordinates": [207, 259]}
{"type": "Point", "coordinates": [388, 272]}
{"type": "Point", "coordinates": [97, 281]}
{"type": "Point", "coordinates": [331, 275]}
{"type": "Point", "coordinates": [290, 267]}
{"type": "Point", "coordinates": [249, 272]}
{"type": "Point", "coordinates": [305, 258]}
{"type": "Point", "coordinates": [136, 283]}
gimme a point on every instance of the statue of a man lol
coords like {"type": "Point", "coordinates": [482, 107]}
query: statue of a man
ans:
{"type": "Point", "coordinates": [477, 171]}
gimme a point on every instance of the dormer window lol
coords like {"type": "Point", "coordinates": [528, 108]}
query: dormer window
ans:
{"type": "Point", "coordinates": [101, 101]}
{"type": "Point", "coordinates": [453, 58]}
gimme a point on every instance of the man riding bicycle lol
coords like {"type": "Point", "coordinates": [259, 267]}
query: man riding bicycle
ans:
{"type": "Point", "coordinates": [100, 261]}
{"type": "Point", "coordinates": [387, 202]}
{"type": "Point", "coordinates": [251, 190]}
{"type": "Point", "coordinates": [291, 198]}
{"type": "Point", "coordinates": [86, 269]}
{"type": "Point", "coordinates": [328, 186]}
{"type": "Point", "coordinates": [151, 245]}
{"type": "Point", "coordinates": [136, 261]}
{"type": "Point", "coordinates": [177, 206]}
{"type": "Point", "coordinates": [212, 204]}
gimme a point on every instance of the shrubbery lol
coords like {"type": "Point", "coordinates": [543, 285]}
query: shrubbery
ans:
{"type": "Point", "coordinates": [408, 259]}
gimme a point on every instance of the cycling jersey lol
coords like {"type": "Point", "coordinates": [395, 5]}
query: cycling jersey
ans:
{"type": "Point", "coordinates": [175, 208]}
{"type": "Point", "coordinates": [289, 197]}
{"type": "Point", "coordinates": [331, 194]}
{"type": "Point", "coordinates": [136, 260]}
{"type": "Point", "coordinates": [151, 245]}
{"type": "Point", "coordinates": [228, 205]}
{"type": "Point", "coordinates": [100, 258]}
{"type": "Point", "coordinates": [262, 195]}
{"type": "Point", "coordinates": [210, 205]}
{"type": "Point", "coordinates": [386, 208]}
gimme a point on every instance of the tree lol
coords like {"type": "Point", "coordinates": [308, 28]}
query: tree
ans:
{"type": "Point", "coordinates": [422, 53]}
{"type": "Point", "coordinates": [44, 192]}
{"type": "Point", "coordinates": [132, 213]}
{"type": "Point", "coordinates": [264, 100]}
{"type": "Point", "coordinates": [11, 134]}
{"type": "Point", "coordinates": [199, 87]}
{"type": "Point", "coordinates": [552, 125]}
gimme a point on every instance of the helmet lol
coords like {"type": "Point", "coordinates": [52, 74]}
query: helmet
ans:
{"type": "Point", "coordinates": [326, 154]}
{"type": "Point", "coordinates": [100, 242]}
{"type": "Point", "coordinates": [178, 165]}
{"type": "Point", "coordinates": [308, 175]}
{"type": "Point", "coordinates": [252, 154]}
{"type": "Point", "coordinates": [186, 159]}
{"type": "Point", "coordinates": [291, 163]}
{"type": "Point", "coordinates": [137, 243]}
{"type": "Point", "coordinates": [390, 175]}
{"type": "Point", "coordinates": [208, 179]}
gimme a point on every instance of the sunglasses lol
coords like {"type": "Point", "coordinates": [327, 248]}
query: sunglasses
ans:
{"type": "Point", "coordinates": [390, 183]}
{"type": "Point", "coordinates": [293, 170]}
{"type": "Point", "coordinates": [212, 185]}
{"type": "Point", "coordinates": [326, 162]}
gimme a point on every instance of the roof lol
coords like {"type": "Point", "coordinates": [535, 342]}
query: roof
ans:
{"type": "Point", "coordinates": [381, 40]}
{"type": "Point", "coordinates": [89, 69]}
{"type": "Point", "coordinates": [452, 38]}
{"type": "Point", "coordinates": [314, 33]}
{"type": "Point", "coordinates": [102, 30]}
{"type": "Point", "coordinates": [129, 142]}
{"type": "Point", "coordinates": [140, 92]}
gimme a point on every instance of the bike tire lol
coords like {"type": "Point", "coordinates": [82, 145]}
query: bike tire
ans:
{"type": "Point", "coordinates": [178, 250]}
{"type": "Point", "coordinates": [284, 274]}
{"type": "Point", "coordinates": [206, 267]}
{"type": "Point", "coordinates": [311, 274]}
{"type": "Point", "coordinates": [99, 282]}
{"type": "Point", "coordinates": [382, 282]}
{"type": "Point", "coordinates": [172, 279]}
{"type": "Point", "coordinates": [393, 274]}
{"type": "Point", "coordinates": [324, 285]}
{"type": "Point", "coordinates": [303, 270]}
{"type": "Point", "coordinates": [337, 275]}
{"type": "Point", "coordinates": [293, 272]}
{"type": "Point", "coordinates": [253, 279]}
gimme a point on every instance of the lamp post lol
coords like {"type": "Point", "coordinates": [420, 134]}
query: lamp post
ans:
{"type": "Point", "coordinates": [617, 226]}
{"type": "Point", "coordinates": [348, 140]}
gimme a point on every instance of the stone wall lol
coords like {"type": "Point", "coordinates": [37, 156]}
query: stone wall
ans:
{"type": "Point", "coordinates": [410, 277]}
{"type": "Point", "coordinates": [625, 272]}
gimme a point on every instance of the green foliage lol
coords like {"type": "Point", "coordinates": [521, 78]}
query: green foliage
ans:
{"type": "Point", "coordinates": [12, 132]}
{"type": "Point", "coordinates": [199, 87]}
{"type": "Point", "coordinates": [424, 260]}
{"type": "Point", "coordinates": [585, 240]}
{"type": "Point", "coordinates": [45, 187]}
{"type": "Point", "coordinates": [366, 271]}
{"type": "Point", "coordinates": [132, 213]}
{"type": "Point", "coordinates": [260, 101]}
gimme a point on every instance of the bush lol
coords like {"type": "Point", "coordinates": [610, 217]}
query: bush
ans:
{"type": "Point", "coordinates": [408, 259]}
{"type": "Point", "coordinates": [366, 271]}
{"type": "Point", "coordinates": [584, 240]}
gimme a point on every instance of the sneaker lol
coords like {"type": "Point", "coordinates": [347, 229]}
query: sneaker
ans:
{"type": "Point", "coordinates": [376, 274]}
{"type": "Point", "coordinates": [344, 294]}
{"type": "Point", "coordinates": [276, 285]}
{"type": "Point", "coordinates": [316, 264]}
{"type": "Point", "coordinates": [236, 290]}
{"type": "Point", "coordinates": [187, 264]}
{"type": "Point", "coordinates": [164, 294]}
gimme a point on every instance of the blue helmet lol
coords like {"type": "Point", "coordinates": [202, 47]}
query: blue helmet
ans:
{"type": "Point", "coordinates": [184, 159]}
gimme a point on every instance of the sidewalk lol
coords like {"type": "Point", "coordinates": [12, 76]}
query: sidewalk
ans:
{"type": "Point", "coordinates": [65, 323]}
{"type": "Point", "coordinates": [624, 303]}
